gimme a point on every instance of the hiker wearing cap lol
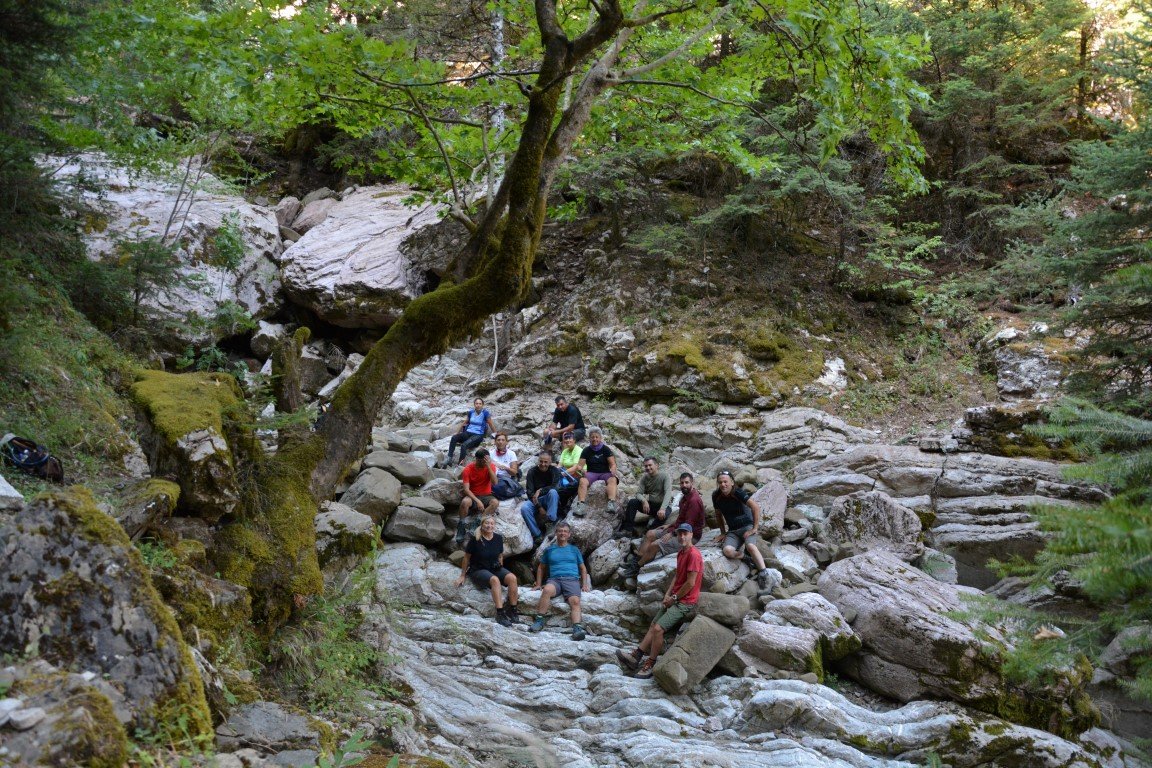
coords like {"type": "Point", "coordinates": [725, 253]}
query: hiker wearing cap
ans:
{"type": "Point", "coordinates": [564, 566]}
{"type": "Point", "coordinates": [477, 423]}
{"type": "Point", "coordinates": [678, 604]}
{"type": "Point", "coordinates": [483, 563]}
{"type": "Point", "coordinates": [662, 541]}
{"type": "Point", "coordinates": [739, 519]}
{"type": "Point", "coordinates": [653, 498]}
{"type": "Point", "coordinates": [478, 478]}
{"type": "Point", "coordinates": [565, 419]}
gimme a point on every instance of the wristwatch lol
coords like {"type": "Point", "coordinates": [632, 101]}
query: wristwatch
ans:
{"type": "Point", "coordinates": [675, 598]}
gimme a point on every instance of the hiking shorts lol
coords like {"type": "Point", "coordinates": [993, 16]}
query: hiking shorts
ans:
{"type": "Point", "coordinates": [597, 476]}
{"type": "Point", "coordinates": [671, 617]}
{"type": "Point", "coordinates": [481, 577]}
{"type": "Point", "coordinates": [736, 540]}
{"type": "Point", "coordinates": [485, 501]}
{"type": "Point", "coordinates": [565, 588]}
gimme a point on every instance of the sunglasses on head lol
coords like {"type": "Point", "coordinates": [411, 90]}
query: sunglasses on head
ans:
{"type": "Point", "coordinates": [725, 473]}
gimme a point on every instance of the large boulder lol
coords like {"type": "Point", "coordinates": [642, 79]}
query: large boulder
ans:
{"type": "Point", "coordinates": [407, 469]}
{"type": "Point", "coordinates": [130, 207]}
{"type": "Point", "coordinates": [913, 476]}
{"type": "Point", "coordinates": [728, 610]}
{"type": "Point", "coordinates": [695, 652]}
{"type": "Point", "coordinates": [597, 525]}
{"type": "Point", "coordinates": [183, 424]}
{"type": "Point", "coordinates": [772, 498]}
{"type": "Point", "coordinates": [76, 593]}
{"type": "Point", "coordinates": [342, 531]}
{"type": "Point", "coordinates": [781, 646]}
{"type": "Point", "coordinates": [1028, 362]}
{"type": "Point", "coordinates": [913, 647]}
{"type": "Point", "coordinates": [375, 493]}
{"type": "Point", "coordinates": [811, 611]}
{"type": "Point", "coordinates": [412, 524]}
{"type": "Point", "coordinates": [350, 267]}
{"type": "Point", "coordinates": [869, 520]}
{"type": "Point", "coordinates": [606, 560]}
{"type": "Point", "coordinates": [10, 498]}
{"type": "Point", "coordinates": [790, 434]}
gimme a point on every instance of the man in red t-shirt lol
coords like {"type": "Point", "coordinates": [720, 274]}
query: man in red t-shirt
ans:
{"type": "Point", "coordinates": [478, 478]}
{"type": "Point", "coordinates": [679, 602]}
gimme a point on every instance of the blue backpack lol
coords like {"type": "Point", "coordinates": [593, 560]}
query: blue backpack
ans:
{"type": "Point", "coordinates": [31, 458]}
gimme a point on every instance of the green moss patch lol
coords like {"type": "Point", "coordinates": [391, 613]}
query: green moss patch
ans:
{"type": "Point", "coordinates": [177, 404]}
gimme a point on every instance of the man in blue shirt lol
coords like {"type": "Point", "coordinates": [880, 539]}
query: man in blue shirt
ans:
{"type": "Point", "coordinates": [565, 569]}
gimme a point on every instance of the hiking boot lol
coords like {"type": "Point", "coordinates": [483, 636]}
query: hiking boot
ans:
{"type": "Point", "coordinates": [631, 569]}
{"type": "Point", "coordinates": [538, 623]}
{"type": "Point", "coordinates": [764, 578]}
{"type": "Point", "coordinates": [578, 632]}
{"type": "Point", "coordinates": [645, 671]}
{"type": "Point", "coordinates": [578, 509]}
{"type": "Point", "coordinates": [630, 660]}
{"type": "Point", "coordinates": [461, 532]}
{"type": "Point", "coordinates": [502, 618]}
{"type": "Point", "coordinates": [612, 506]}
{"type": "Point", "coordinates": [513, 613]}
{"type": "Point", "coordinates": [622, 533]}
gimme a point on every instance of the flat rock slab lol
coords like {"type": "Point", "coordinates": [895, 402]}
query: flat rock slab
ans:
{"type": "Point", "coordinates": [695, 652]}
{"type": "Point", "coordinates": [406, 468]}
{"type": "Point", "coordinates": [874, 520]}
{"type": "Point", "coordinates": [267, 725]}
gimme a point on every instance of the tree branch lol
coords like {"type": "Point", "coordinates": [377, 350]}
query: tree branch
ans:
{"type": "Point", "coordinates": [678, 50]}
{"type": "Point", "coordinates": [456, 197]}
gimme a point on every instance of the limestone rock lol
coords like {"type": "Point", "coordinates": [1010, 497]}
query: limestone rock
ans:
{"type": "Point", "coordinates": [604, 562]}
{"type": "Point", "coordinates": [62, 718]}
{"type": "Point", "coordinates": [265, 338]}
{"type": "Point", "coordinates": [912, 649]}
{"type": "Point", "coordinates": [782, 646]}
{"type": "Point", "coordinates": [411, 524]}
{"type": "Point", "coordinates": [342, 531]}
{"type": "Point", "coordinates": [794, 563]}
{"type": "Point", "coordinates": [693, 655]}
{"type": "Point", "coordinates": [349, 267]}
{"type": "Point", "coordinates": [402, 575]}
{"type": "Point", "coordinates": [269, 726]}
{"type": "Point", "coordinates": [1028, 363]}
{"type": "Point", "coordinates": [938, 565]}
{"type": "Point", "coordinates": [598, 525]}
{"type": "Point", "coordinates": [207, 609]}
{"type": "Point", "coordinates": [76, 591]}
{"type": "Point", "coordinates": [873, 520]}
{"type": "Point", "coordinates": [375, 493]}
{"type": "Point", "coordinates": [790, 434]}
{"type": "Point", "coordinates": [287, 210]}
{"type": "Point", "coordinates": [133, 207]}
{"type": "Point", "coordinates": [328, 391]}
{"type": "Point", "coordinates": [447, 492]}
{"type": "Point", "coordinates": [772, 498]}
{"type": "Point", "coordinates": [10, 498]}
{"type": "Point", "coordinates": [728, 610]}
{"type": "Point", "coordinates": [405, 468]}
{"type": "Point", "coordinates": [721, 574]}
{"type": "Point", "coordinates": [812, 611]}
{"type": "Point", "coordinates": [182, 431]}
{"type": "Point", "coordinates": [145, 504]}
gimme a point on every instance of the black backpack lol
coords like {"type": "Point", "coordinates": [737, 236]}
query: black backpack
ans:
{"type": "Point", "coordinates": [31, 458]}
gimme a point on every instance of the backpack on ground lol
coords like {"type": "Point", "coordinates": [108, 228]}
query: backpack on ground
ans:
{"type": "Point", "coordinates": [31, 458]}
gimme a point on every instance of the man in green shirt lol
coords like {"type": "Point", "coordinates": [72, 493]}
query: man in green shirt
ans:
{"type": "Point", "coordinates": [653, 498]}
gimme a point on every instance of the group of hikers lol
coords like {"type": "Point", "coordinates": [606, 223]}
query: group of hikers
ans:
{"type": "Point", "coordinates": [556, 483]}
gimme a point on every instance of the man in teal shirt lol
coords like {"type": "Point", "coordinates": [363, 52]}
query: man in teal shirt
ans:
{"type": "Point", "coordinates": [564, 566]}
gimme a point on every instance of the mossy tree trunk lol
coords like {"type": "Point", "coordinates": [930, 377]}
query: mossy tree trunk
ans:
{"type": "Point", "coordinates": [492, 271]}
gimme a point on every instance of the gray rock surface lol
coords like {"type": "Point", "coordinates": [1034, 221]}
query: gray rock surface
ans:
{"type": "Point", "coordinates": [375, 493]}
{"type": "Point", "coordinates": [10, 498]}
{"type": "Point", "coordinates": [912, 648]}
{"type": "Point", "coordinates": [772, 498]}
{"type": "Point", "coordinates": [349, 267]}
{"type": "Point", "coordinates": [267, 725]}
{"type": "Point", "coordinates": [341, 530]}
{"type": "Point", "coordinates": [728, 610]}
{"type": "Point", "coordinates": [411, 524]}
{"type": "Point", "coordinates": [406, 469]}
{"type": "Point", "coordinates": [138, 206]}
{"type": "Point", "coordinates": [693, 655]}
{"type": "Point", "coordinates": [868, 520]}
{"type": "Point", "coordinates": [76, 593]}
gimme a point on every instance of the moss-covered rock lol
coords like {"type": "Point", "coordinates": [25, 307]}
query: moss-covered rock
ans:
{"type": "Point", "coordinates": [78, 594]}
{"type": "Point", "coordinates": [146, 503]}
{"type": "Point", "coordinates": [80, 726]}
{"type": "Point", "coordinates": [186, 420]}
{"type": "Point", "coordinates": [208, 610]}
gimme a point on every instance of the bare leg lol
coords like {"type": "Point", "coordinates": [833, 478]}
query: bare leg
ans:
{"type": "Point", "coordinates": [653, 642]}
{"type": "Point", "coordinates": [497, 593]}
{"type": "Point", "coordinates": [582, 491]}
{"type": "Point", "coordinates": [546, 596]}
{"type": "Point", "coordinates": [611, 484]}
{"type": "Point", "coordinates": [575, 603]}
{"type": "Point", "coordinates": [513, 589]}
